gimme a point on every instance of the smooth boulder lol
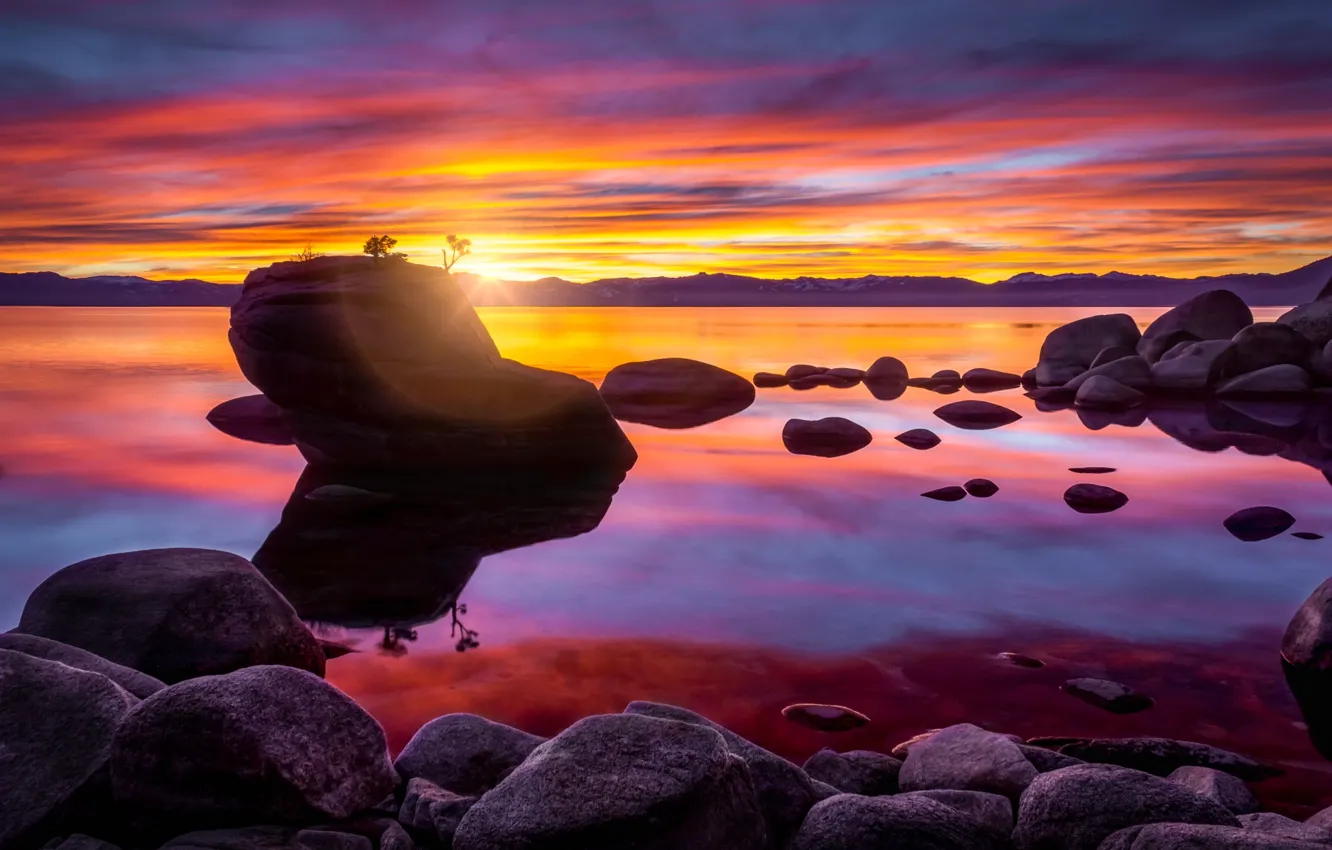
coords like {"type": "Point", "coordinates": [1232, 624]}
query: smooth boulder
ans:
{"type": "Point", "coordinates": [993, 810]}
{"type": "Point", "coordinates": [1313, 321]}
{"type": "Point", "coordinates": [1133, 371]}
{"type": "Point", "coordinates": [1162, 756]}
{"type": "Point", "coordinates": [769, 380]}
{"type": "Point", "coordinates": [263, 744]}
{"type": "Point", "coordinates": [431, 812]}
{"type": "Point", "coordinates": [976, 415]}
{"type": "Point", "coordinates": [1111, 696]}
{"type": "Point", "coordinates": [674, 392]}
{"type": "Point", "coordinates": [1070, 349]}
{"type": "Point", "coordinates": [981, 488]}
{"type": "Point", "coordinates": [1266, 344]}
{"type": "Point", "coordinates": [1307, 643]}
{"type": "Point", "coordinates": [887, 370]}
{"type": "Point", "coordinates": [951, 493]}
{"type": "Point", "coordinates": [1103, 393]}
{"type": "Point", "coordinates": [1076, 808]}
{"type": "Point", "coordinates": [1262, 522]}
{"type": "Point", "coordinates": [622, 780]}
{"type": "Point", "coordinates": [464, 753]}
{"type": "Point", "coordinates": [173, 614]}
{"type": "Point", "coordinates": [833, 436]}
{"type": "Point", "coordinates": [1113, 353]}
{"type": "Point", "coordinates": [1230, 791]}
{"type": "Point", "coordinates": [990, 380]}
{"type": "Point", "coordinates": [1284, 379]}
{"type": "Point", "coordinates": [1196, 368]}
{"type": "Point", "coordinates": [966, 758]}
{"type": "Point", "coordinates": [139, 684]}
{"type": "Point", "coordinates": [824, 718]}
{"type": "Point", "coordinates": [920, 439]}
{"type": "Point", "coordinates": [253, 418]}
{"type": "Point", "coordinates": [856, 772]}
{"type": "Point", "coordinates": [1094, 498]}
{"type": "Point", "coordinates": [56, 727]}
{"type": "Point", "coordinates": [1217, 314]}
{"type": "Point", "coordinates": [1184, 836]}
{"type": "Point", "coordinates": [1271, 823]}
{"type": "Point", "coordinates": [852, 822]}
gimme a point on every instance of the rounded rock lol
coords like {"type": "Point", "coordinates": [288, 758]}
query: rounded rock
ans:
{"type": "Point", "coordinates": [976, 415]}
{"type": "Point", "coordinates": [920, 439]}
{"type": "Point", "coordinates": [1258, 523]}
{"type": "Point", "coordinates": [981, 488]}
{"type": "Point", "coordinates": [1094, 499]}
{"type": "Point", "coordinates": [674, 393]}
{"type": "Point", "coordinates": [833, 436]}
{"type": "Point", "coordinates": [824, 718]}
{"type": "Point", "coordinates": [853, 822]}
{"type": "Point", "coordinates": [1111, 696]}
{"type": "Point", "coordinates": [464, 753]}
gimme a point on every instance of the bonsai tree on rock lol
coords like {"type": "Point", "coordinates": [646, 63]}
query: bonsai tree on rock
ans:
{"type": "Point", "coordinates": [458, 248]}
{"type": "Point", "coordinates": [380, 247]}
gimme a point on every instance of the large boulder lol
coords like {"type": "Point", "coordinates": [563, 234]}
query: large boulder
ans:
{"type": "Point", "coordinates": [1131, 371]}
{"type": "Point", "coordinates": [1229, 791]}
{"type": "Point", "coordinates": [139, 684]}
{"type": "Point", "coordinates": [1100, 392]}
{"type": "Point", "coordinates": [674, 392]}
{"type": "Point", "coordinates": [990, 380]}
{"type": "Point", "coordinates": [464, 753]}
{"type": "Point", "coordinates": [832, 436]}
{"type": "Point", "coordinates": [1184, 836]}
{"type": "Point", "coordinates": [56, 728]}
{"type": "Point", "coordinates": [887, 370]}
{"type": "Point", "coordinates": [1312, 320]}
{"type": "Point", "coordinates": [431, 812]}
{"type": "Point", "coordinates": [171, 613]}
{"type": "Point", "coordinates": [1282, 379]}
{"type": "Point", "coordinates": [1307, 643]}
{"type": "Point", "coordinates": [1266, 344]}
{"type": "Point", "coordinates": [1078, 807]}
{"type": "Point", "coordinates": [1069, 350]}
{"type": "Point", "coordinates": [1218, 314]}
{"type": "Point", "coordinates": [1162, 756]}
{"type": "Point", "coordinates": [966, 758]}
{"type": "Point", "coordinates": [1194, 369]}
{"type": "Point", "coordinates": [992, 810]}
{"type": "Point", "coordinates": [856, 772]}
{"type": "Point", "coordinates": [785, 792]}
{"type": "Point", "coordinates": [262, 745]}
{"type": "Point", "coordinates": [1271, 823]}
{"type": "Point", "coordinates": [904, 822]}
{"type": "Point", "coordinates": [623, 780]}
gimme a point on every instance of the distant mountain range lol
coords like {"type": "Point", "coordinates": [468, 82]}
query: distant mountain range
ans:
{"type": "Point", "coordinates": [1028, 289]}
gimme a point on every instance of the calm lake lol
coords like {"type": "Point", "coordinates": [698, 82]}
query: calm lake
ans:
{"type": "Point", "coordinates": [728, 575]}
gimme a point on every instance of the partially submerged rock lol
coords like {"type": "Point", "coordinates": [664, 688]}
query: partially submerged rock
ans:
{"type": "Point", "coordinates": [1102, 393]}
{"type": "Point", "coordinates": [1217, 314]}
{"type": "Point", "coordinates": [1230, 791]}
{"type": "Point", "coordinates": [253, 418]}
{"type": "Point", "coordinates": [852, 822]}
{"type": "Point", "coordinates": [920, 439]}
{"type": "Point", "coordinates": [967, 758]}
{"type": "Point", "coordinates": [1069, 350]}
{"type": "Point", "coordinates": [1285, 379]}
{"type": "Point", "coordinates": [768, 380]}
{"type": "Point", "coordinates": [1094, 499]}
{"type": "Point", "coordinates": [981, 488]}
{"type": "Point", "coordinates": [1092, 470]}
{"type": "Point", "coordinates": [1265, 344]}
{"type": "Point", "coordinates": [1017, 659]}
{"type": "Point", "coordinates": [824, 718]}
{"type": "Point", "coordinates": [1133, 371]}
{"type": "Point", "coordinates": [952, 493]}
{"type": "Point", "coordinates": [674, 392]}
{"type": "Point", "coordinates": [833, 436]}
{"type": "Point", "coordinates": [464, 753]}
{"type": "Point", "coordinates": [1258, 523]}
{"type": "Point", "coordinates": [857, 772]}
{"type": "Point", "coordinates": [887, 370]}
{"type": "Point", "coordinates": [976, 415]}
{"type": "Point", "coordinates": [1162, 756]}
{"type": "Point", "coordinates": [990, 380]}
{"type": "Point", "coordinates": [803, 370]}
{"type": "Point", "coordinates": [1111, 696]}
{"type": "Point", "coordinates": [1177, 836]}
{"type": "Point", "coordinates": [1196, 367]}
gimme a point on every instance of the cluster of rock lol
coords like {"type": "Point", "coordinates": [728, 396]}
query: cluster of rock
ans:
{"type": "Point", "coordinates": [1208, 345]}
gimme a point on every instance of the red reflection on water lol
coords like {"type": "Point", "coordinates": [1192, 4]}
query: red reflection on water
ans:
{"type": "Point", "coordinates": [1229, 695]}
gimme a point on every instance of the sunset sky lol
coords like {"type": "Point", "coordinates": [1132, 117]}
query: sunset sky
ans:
{"type": "Point", "coordinates": [595, 138]}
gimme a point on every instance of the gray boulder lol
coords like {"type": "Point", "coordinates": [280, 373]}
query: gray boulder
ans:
{"type": "Point", "coordinates": [1323, 818]}
{"type": "Point", "coordinates": [56, 727]}
{"type": "Point", "coordinates": [1270, 823]}
{"type": "Point", "coordinates": [674, 392]}
{"type": "Point", "coordinates": [1229, 791]}
{"type": "Point", "coordinates": [1307, 643]}
{"type": "Point", "coordinates": [139, 684]}
{"type": "Point", "coordinates": [621, 780]}
{"type": "Point", "coordinates": [394, 837]}
{"type": "Point", "coordinates": [1183, 836]}
{"type": "Point", "coordinates": [1047, 760]}
{"type": "Point", "coordinates": [1131, 371]}
{"type": "Point", "coordinates": [966, 758]}
{"type": "Point", "coordinates": [1195, 368]}
{"type": "Point", "coordinates": [1163, 756]}
{"type": "Point", "coordinates": [1266, 344]}
{"type": "Point", "coordinates": [1078, 807]}
{"type": "Point", "coordinates": [904, 822]}
{"type": "Point", "coordinates": [856, 772]}
{"type": "Point", "coordinates": [1218, 314]}
{"type": "Point", "coordinates": [1068, 351]}
{"type": "Point", "coordinates": [1284, 379]}
{"type": "Point", "coordinates": [1100, 392]}
{"type": "Point", "coordinates": [1312, 320]}
{"type": "Point", "coordinates": [261, 744]}
{"type": "Point", "coordinates": [832, 436]}
{"type": "Point", "coordinates": [785, 792]}
{"type": "Point", "coordinates": [994, 811]}
{"type": "Point", "coordinates": [172, 613]}
{"type": "Point", "coordinates": [1113, 353]}
{"type": "Point", "coordinates": [431, 813]}
{"type": "Point", "coordinates": [464, 753]}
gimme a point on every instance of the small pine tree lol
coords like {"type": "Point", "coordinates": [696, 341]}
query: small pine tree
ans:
{"type": "Point", "coordinates": [458, 248]}
{"type": "Point", "coordinates": [309, 253]}
{"type": "Point", "coordinates": [382, 246]}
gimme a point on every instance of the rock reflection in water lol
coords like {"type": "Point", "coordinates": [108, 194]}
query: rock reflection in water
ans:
{"type": "Point", "coordinates": [401, 559]}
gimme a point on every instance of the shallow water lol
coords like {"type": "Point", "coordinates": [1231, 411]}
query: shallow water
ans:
{"type": "Point", "coordinates": [727, 574]}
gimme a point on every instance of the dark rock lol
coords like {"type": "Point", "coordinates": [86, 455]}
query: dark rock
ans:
{"type": "Point", "coordinates": [851, 822]}
{"type": "Point", "coordinates": [1258, 523]}
{"type": "Point", "coordinates": [885, 389]}
{"type": "Point", "coordinates": [1181, 836]}
{"type": "Point", "coordinates": [1102, 393]}
{"type": "Point", "coordinates": [1270, 823]}
{"type": "Point", "coordinates": [1094, 499]}
{"type": "Point", "coordinates": [1312, 320]}
{"type": "Point", "coordinates": [674, 392]}
{"type": "Point", "coordinates": [824, 718]}
{"type": "Point", "coordinates": [1163, 756]}
{"type": "Point", "coordinates": [829, 437]}
{"type": "Point", "coordinates": [1322, 818]}
{"type": "Point", "coordinates": [857, 772]}
{"type": "Point", "coordinates": [950, 375]}
{"type": "Point", "coordinates": [1265, 344]}
{"type": "Point", "coordinates": [1195, 368]}
{"type": "Point", "coordinates": [1047, 760]}
{"type": "Point", "coordinates": [1307, 643]}
{"type": "Point", "coordinates": [966, 758]}
{"type": "Point", "coordinates": [56, 727]}
{"type": "Point", "coordinates": [822, 790]}
{"type": "Point", "coordinates": [246, 838]}
{"type": "Point", "coordinates": [846, 373]}
{"type": "Point", "coordinates": [621, 781]}
{"type": "Point", "coordinates": [1092, 470]}
{"type": "Point", "coordinates": [1306, 535]}
{"type": "Point", "coordinates": [1017, 659]}
{"type": "Point", "coordinates": [432, 813]}
{"type": "Point", "coordinates": [803, 370]}
{"type": "Point", "coordinates": [1180, 347]}
{"type": "Point", "coordinates": [1068, 351]}
{"type": "Point", "coordinates": [785, 793]}
{"type": "Point", "coordinates": [1131, 371]}
{"type": "Point", "coordinates": [990, 380]}
{"type": "Point", "coordinates": [1218, 314]}
{"type": "Point", "coordinates": [464, 753]}
{"type": "Point", "coordinates": [824, 379]}
{"type": "Point", "coordinates": [1078, 807]}
{"type": "Point", "coordinates": [331, 839]}
{"type": "Point", "coordinates": [1097, 419]}
{"type": "Point", "coordinates": [1055, 395]}
{"type": "Point", "coordinates": [253, 418]}
{"type": "Point", "coordinates": [767, 380]}
{"type": "Point", "coordinates": [264, 744]}
{"type": "Point", "coordinates": [1284, 379]}
{"type": "Point", "coordinates": [1029, 380]}
{"type": "Point", "coordinates": [79, 842]}
{"type": "Point", "coordinates": [976, 415]}
{"type": "Point", "coordinates": [1229, 791]}
{"type": "Point", "coordinates": [946, 494]}
{"type": "Point", "coordinates": [139, 684]}
{"type": "Point", "coordinates": [887, 369]}
{"type": "Point", "coordinates": [1113, 353]}
{"type": "Point", "coordinates": [171, 613]}
{"type": "Point", "coordinates": [901, 750]}
{"type": "Point", "coordinates": [396, 838]}
{"type": "Point", "coordinates": [332, 649]}
{"type": "Point", "coordinates": [993, 810]}
{"type": "Point", "coordinates": [1111, 696]}
{"type": "Point", "coordinates": [920, 439]}
{"type": "Point", "coordinates": [981, 488]}
{"type": "Point", "coordinates": [342, 494]}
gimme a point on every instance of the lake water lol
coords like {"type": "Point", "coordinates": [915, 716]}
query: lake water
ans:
{"type": "Point", "coordinates": [728, 575]}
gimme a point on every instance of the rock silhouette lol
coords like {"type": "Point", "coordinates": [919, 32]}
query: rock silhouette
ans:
{"type": "Point", "coordinates": [1094, 499]}
{"type": "Point", "coordinates": [830, 437]}
{"type": "Point", "coordinates": [920, 439]}
{"type": "Point", "coordinates": [674, 393]}
{"type": "Point", "coordinates": [976, 415]}
{"type": "Point", "coordinates": [1259, 523]}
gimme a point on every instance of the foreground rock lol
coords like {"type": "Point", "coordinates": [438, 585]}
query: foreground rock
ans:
{"type": "Point", "coordinates": [1180, 836]}
{"type": "Point", "coordinates": [1265, 344]}
{"type": "Point", "coordinates": [857, 772]}
{"type": "Point", "coordinates": [464, 753]}
{"type": "Point", "coordinates": [993, 810]}
{"type": "Point", "coordinates": [1078, 807]}
{"type": "Point", "coordinates": [1218, 314]}
{"type": "Point", "coordinates": [825, 718]}
{"type": "Point", "coordinates": [1102, 393]}
{"type": "Point", "coordinates": [920, 439]}
{"type": "Point", "coordinates": [56, 727]}
{"type": "Point", "coordinates": [966, 758]}
{"type": "Point", "coordinates": [431, 812]}
{"type": "Point", "coordinates": [990, 380]}
{"type": "Point", "coordinates": [1163, 756]}
{"type": "Point", "coordinates": [887, 370]}
{"type": "Point", "coordinates": [785, 793]}
{"type": "Point", "coordinates": [1094, 499]}
{"type": "Point", "coordinates": [975, 415]}
{"type": "Point", "coordinates": [830, 437]}
{"type": "Point", "coordinates": [674, 393]}
{"type": "Point", "coordinates": [1312, 320]}
{"type": "Point", "coordinates": [1196, 368]}
{"type": "Point", "coordinates": [1230, 791]}
{"type": "Point", "coordinates": [138, 684]}
{"type": "Point", "coordinates": [1258, 523]}
{"type": "Point", "coordinates": [1272, 824]}
{"type": "Point", "coordinates": [911, 822]}
{"type": "Point", "coordinates": [253, 418]}
{"type": "Point", "coordinates": [1070, 350]}
{"type": "Point", "coordinates": [768, 380]}
{"type": "Point", "coordinates": [262, 745]}
{"type": "Point", "coordinates": [1274, 380]}
{"type": "Point", "coordinates": [1133, 371]}
{"type": "Point", "coordinates": [171, 613]}
{"type": "Point", "coordinates": [1111, 696]}
{"type": "Point", "coordinates": [621, 781]}
{"type": "Point", "coordinates": [1307, 643]}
